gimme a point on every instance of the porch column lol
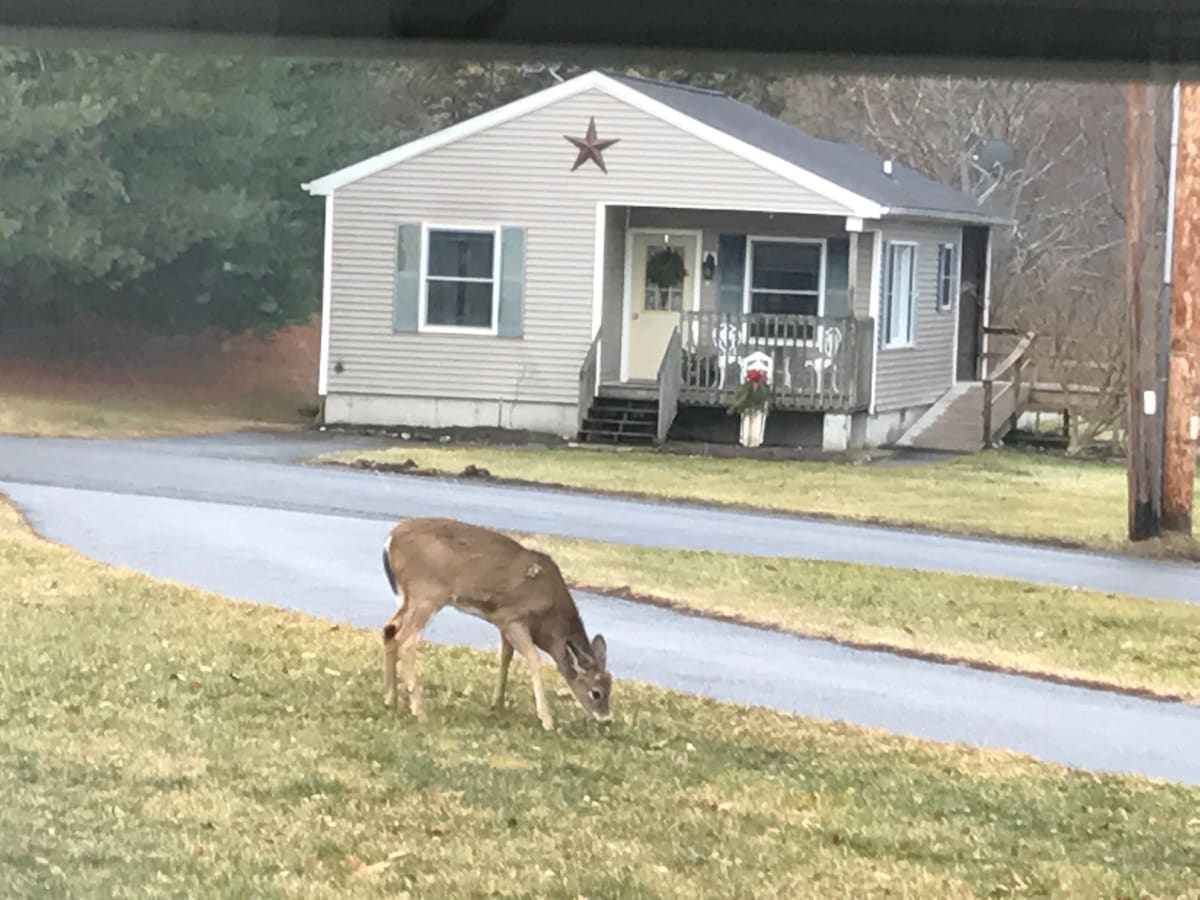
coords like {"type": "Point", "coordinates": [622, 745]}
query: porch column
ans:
{"type": "Point", "coordinates": [852, 275]}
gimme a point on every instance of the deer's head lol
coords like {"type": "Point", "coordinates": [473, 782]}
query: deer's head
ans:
{"type": "Point", "coordinates": [586, 674]}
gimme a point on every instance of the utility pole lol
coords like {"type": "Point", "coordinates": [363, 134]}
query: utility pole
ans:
{"type": "Point", "coordinates": [1145, 478]}
{"type": "Point", "coordinates": [1182, 426]}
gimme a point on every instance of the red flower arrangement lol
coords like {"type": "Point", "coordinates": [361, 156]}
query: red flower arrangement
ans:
{"type": "Point", "coordinates": [754, 393]}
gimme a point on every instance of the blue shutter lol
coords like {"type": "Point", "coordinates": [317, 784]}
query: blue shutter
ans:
{"type": "Point", "coordinates": [510, 320]}
{"type": "Point", "coordinates": [731, 260]}
{"type": "Point", "coordinates": [406, 295]}
{"type": "Point", "coordinates": [837, 277]}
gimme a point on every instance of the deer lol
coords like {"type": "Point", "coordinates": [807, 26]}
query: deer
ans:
{"type": "Point", "coordinates": [431, 563]}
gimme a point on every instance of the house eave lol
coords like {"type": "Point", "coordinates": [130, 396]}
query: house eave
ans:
{"type": "Point", "coordinates": [966, 218]}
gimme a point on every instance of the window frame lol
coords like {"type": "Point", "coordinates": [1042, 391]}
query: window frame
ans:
{"type": "Point", "coordinates": [423, 324]}
{"type": "Point", "coordinates": [889, 295]}
{"type": "Point", "coordinates": [947, 279]}
{"type": "Point", "coordinates": [748, 287]}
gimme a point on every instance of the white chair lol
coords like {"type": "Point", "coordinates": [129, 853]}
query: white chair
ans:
{"type": "Point", "coordinates": [761, 362]}
{"type": "Point", "coordinates": [829, 342]}
{"type": "Point", "coordinates": [726, 338]}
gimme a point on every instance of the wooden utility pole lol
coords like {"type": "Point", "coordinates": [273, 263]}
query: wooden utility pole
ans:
{"type": "Point", "coordinates": [1145, 482]}
{"type": "Point", "coordinates": [1183, 387]}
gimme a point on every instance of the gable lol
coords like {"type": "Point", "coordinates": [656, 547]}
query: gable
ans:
{"type": "Point", "coordinates": [654, 162]}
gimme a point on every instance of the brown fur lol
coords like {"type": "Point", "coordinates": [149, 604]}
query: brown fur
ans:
{"type": "Point", "coordinates": [433, 562]}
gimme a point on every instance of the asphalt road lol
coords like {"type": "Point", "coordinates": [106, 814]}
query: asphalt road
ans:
{"type": "Point", "coordinates": [232, 515]}
{"type": "Point", "coordinates": [260, 471]}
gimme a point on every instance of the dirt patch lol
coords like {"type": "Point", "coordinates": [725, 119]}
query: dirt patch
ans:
{"type": "Point", "coordinates": [271, 377]}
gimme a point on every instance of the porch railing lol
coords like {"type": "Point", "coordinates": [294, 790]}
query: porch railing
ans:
{"type": "Point", "coordinates": [589, 380]}
{"type": "Point", "coordinates": [820, 362]}
{"type": "Point", "coordinates": [670, 381]}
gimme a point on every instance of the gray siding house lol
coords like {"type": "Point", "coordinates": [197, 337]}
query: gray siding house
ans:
{"type": "Point", "coordinates": [595, 259]}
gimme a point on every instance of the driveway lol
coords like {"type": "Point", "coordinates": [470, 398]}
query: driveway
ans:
{"type": "Point", "coordinates": [259, 470]}
{"type": "Point", "coordinates": [236, 517]}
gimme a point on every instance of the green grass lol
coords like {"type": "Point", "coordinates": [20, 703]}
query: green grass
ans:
{"type": "Point", "coordinates": [996, 493]}
{"type": "Point", "coordinates": [1126, 642]}
{"type": "Point", "coordinates": [135, 417]}
{"type": "Point", "coordinates": [156, 740]}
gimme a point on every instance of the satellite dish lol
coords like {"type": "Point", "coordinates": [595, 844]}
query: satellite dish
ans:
{"type": "Point", "coordinates": [992, 154]}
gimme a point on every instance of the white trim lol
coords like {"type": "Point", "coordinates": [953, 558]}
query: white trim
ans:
{"type": "Point", "coordinates": [423, 325]}
{"type": "Point", "coordinates": [670, 203]}
{"type": "Point", "coordinates": [853, 224]}
{"type": "Point", "coordinates": [958, 312]}
{"type": "Point", "coordinates": [912, 303]}
{"type": "Point", "coordinates": [752, 239]}
{"type": "Point", "coordinates": [326, 298]}
{"type": "Point", "coordinates": [857, 205]}
{"type": "Point", "coordinates": [987, 306]}
{"type": "Point", "coordinates": [853, 203]}
{"type": "Point", "coordinates": [874, 304]}
{"type": "Point", "coordinates": [598, 249]}
{"type": "Point", "coordinates": [476, 124]}
{"type": "Point", "coordinates": [627, 293]}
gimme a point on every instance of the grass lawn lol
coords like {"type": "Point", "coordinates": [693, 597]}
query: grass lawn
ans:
{"type": "Point", "coordinates": [154, 739]}
{"type": "Point", "coordinates": [1127, 642]}
{"type": "Point", "coordinates": [996, 493]}
{"type": "Point", "coordinates": [128, 417]}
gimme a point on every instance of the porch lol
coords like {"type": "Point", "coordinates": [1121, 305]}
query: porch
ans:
{"type": "Point", "coordinates": [686, 295]}
{"type": "Point", "coordinates": [818, 364]}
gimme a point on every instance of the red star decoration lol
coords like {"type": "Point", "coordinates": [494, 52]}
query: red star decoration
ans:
{"type": "Point", "coordinates": [591, 147]}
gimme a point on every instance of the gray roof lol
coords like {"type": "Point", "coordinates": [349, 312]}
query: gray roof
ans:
{"type": "Point", "coordinates": [850, 167]}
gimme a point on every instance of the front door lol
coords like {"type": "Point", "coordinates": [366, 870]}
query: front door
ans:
{"type": "Point", "coordinates": [659, 289]}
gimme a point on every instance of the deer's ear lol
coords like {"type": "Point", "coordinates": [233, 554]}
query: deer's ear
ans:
{"type": "Point", "coordinates": [573, 658]}
{"type": "Point", "coordinates": [599, 650]}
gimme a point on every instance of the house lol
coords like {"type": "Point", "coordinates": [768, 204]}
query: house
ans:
{"type": "Point", "coordinates": [598, 257]}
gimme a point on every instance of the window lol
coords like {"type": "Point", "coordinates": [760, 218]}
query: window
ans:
{"type": "Point", "coordinates": [899, 290]}
{"type": "Point", "coordinates": [460, 288]}
{"type": "Point", "coordinates": [947, 276]}
{"type": "Point", "coordinates": [669, 299]}
{"type": "Point", "coordinates": [785, 277]}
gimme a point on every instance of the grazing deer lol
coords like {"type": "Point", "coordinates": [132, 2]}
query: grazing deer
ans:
{"type": "Point", "coordinates": [431, 563]}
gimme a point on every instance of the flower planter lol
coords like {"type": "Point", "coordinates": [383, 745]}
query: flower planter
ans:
{"type": "Point", "coordinates": [754, 425]}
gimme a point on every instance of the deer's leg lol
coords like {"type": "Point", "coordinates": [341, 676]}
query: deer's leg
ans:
{"type": "Point", "coordinates": [506, 654]}
{"type": "Point", "coordinates": [406, 647]}
{"type": "Point", "coordinates": [523, 644]}
{"type": "Point", "coordinates": [390, 646]}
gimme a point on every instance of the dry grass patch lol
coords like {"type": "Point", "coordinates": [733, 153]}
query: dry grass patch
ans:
{"type": "Point", "coordinates": [128, 417]}
{"type": "Point", "coordinates": [154, 739]}
{"type": "Point", "coordinates": [996, 493]}
{"type": "Point", "coordinates": [1127, 642]}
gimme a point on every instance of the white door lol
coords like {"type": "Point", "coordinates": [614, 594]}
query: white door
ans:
{"type": "Point", "coordinates": [654, 307]}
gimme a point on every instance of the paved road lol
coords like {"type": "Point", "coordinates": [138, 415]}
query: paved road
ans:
{"type": "Point", "coordinates": [260, 471]}
{"type": "Point", "coordinates": [328, 565]}
{"type": "Point", "coordinates": [237, 516]}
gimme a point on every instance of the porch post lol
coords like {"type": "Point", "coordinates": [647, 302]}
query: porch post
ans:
{"type": "Point", "coordinates": [852, 275]}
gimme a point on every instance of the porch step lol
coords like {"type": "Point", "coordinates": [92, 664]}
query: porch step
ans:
{"type": "Point", "coordinates": [620, 420]}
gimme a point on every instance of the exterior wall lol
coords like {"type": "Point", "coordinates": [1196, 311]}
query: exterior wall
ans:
{"type": "Point", "coordinates": [611, 322]}
{"type": "Point", "coordinates": [518, 173]}
{"type": "Point", "coordinates": [440, 412]}
{"type": "Point", "coordinates": [714, 223]}
{"type": "Point", "coordinates": [916, 376]}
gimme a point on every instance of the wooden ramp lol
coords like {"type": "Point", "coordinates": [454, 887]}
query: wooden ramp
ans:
{"type": "Point", "coordinates": [955, 422]}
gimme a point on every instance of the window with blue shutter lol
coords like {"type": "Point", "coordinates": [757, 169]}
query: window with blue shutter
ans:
{"type": "Point", "coordinates": [511, 316]}
{"type": "Point", "coordinates": [406, 294]}
{"type": "Point", "coordinates": [837, 277]}
{"type": "Point", "coordinates": [731, 261]}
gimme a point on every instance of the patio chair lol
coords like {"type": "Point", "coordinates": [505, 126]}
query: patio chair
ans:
{"type": "Point", "coordinates": [829, 345]}
{"type": "Point", "coordinates": [726, 338]}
